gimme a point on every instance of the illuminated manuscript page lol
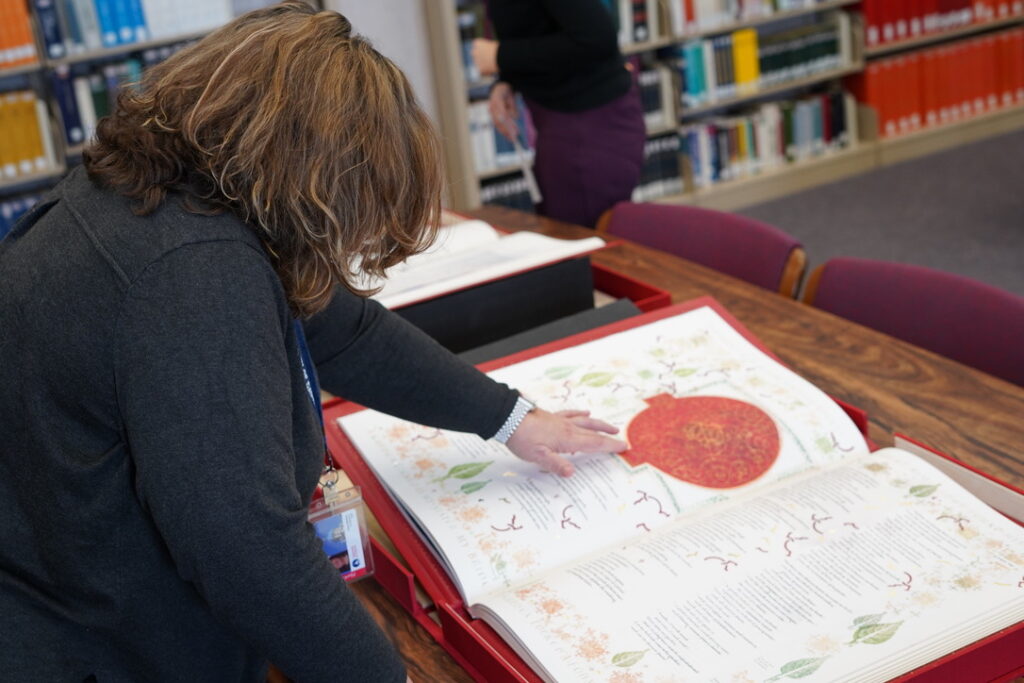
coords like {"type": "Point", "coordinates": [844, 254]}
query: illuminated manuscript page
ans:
{"type": "Point", "coordinates": [496, 521]}
{"type": "Point", "coordinates": [471, 253]}
{"type": "Point", "coordinates": [861, 572]}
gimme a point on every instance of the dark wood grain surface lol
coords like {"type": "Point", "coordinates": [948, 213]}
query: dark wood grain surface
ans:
{"type": "Point", "coordinates": [963, 412]}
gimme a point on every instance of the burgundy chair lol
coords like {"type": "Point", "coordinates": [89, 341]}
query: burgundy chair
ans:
{"type": "Point", "coordinates": [963, 319]}
{"type": "Point", "coordinates": [742, 247]}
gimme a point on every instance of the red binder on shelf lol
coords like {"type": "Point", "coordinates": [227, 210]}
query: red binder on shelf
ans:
{"type": "Point", "coordinates": [419, 583]}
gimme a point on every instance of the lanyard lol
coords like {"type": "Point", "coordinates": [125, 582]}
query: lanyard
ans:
{"type": "Point", "coordinates": [312, 387]}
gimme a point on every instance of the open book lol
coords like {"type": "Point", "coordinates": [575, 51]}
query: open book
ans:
{"type": "Point", "coordinates": [469, 253]}
{"type": "Point", "coordinates": [748, 534]}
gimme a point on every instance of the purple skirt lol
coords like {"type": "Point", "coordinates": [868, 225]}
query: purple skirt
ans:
{"type": "Point", "coordinates": [586, 161]}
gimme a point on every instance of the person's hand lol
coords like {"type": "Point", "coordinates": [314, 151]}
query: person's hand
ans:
{"type": "Point", "coordinates": [485, 56]}
{"type": "Point", "coordinates": [504, 113]}
{"type": "Point", "coordinates": [542, 436]}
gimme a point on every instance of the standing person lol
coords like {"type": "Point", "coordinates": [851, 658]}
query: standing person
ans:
{"type": "Point", "coordinates": [159, 445]}
{"type": "Point", "coordinates": [563, 56]}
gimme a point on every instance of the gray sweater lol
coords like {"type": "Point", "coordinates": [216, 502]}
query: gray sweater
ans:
{"type": "Point", "coordinates": [158, 450]}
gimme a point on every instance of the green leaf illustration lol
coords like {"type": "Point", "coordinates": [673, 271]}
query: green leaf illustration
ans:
{"type": "Point", "coordinates": [474, 486]}
{"type": "Point", "coordinates": [499, 562]}
{"type": "Point", "coordinates": [625, 659]}
{"type": "Point", "coordinates": [923, 491]}
{"type": "Point", "coordinates": [596, 379]}
{"type": "Point", "coordinates": [466, 470]}
{"type": "Point", "coordinates": [645, 374]}
{"type": "Point", "coordinates": [799, 668]}
{"type": "Point", "coordinates": [875, 634]}
{"type": "Point", "coordinates": [561, 372]}
{"type": "Point", "coordinates": [868, 619]}
{"type": "Point", "coordinates": [824, 444]}
{"type": "Point", "coordinates": [684, 372]}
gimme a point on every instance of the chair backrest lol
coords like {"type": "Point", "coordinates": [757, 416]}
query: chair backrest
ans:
{"type": "Point", "coordinates": [742, 247]}
{"type": "Point", "coordinates": [957, 317]}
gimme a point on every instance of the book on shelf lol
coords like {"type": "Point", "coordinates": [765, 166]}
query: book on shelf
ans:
{"type": "Point", "coordinates": [638, 20]}
{"type": "Point", "coordinates": [510, 191]}
{"type": "Point", "coordinates": [692, 16]}
{"type": "Point", "coordinates": [769, 137]}
{"type": "Point", "coordinates": [657, 94]}
{"type": "Point", "coordinates": [471, 252]}
{"type": "Point", "coordinates": [473, 23]}
{"type": "Point", "coordinates": [887, 21]}
{"type": "Point", "coordinates": [26, 142]}
{"type": "Point", "coordinates": [749, 532]}
{"type": "Point", "coordinates": [660, 175]}
{"type": "Point", "coordinates": [492, 151]}
{"type": "Point", "coordinates": [741, 63]}
{"type": "Point", "coordinates": [85, 25]}
{"type": "Point", "coordinates": [87, 91]}
{"type": "Point", "coordinates": [17, 42]}
{"type": "Point", "coordinates": [13, 209]}
{"type": "Point", "coordinates": [944, 84]}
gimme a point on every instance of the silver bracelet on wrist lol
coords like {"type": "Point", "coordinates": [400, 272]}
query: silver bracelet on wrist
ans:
{"type": "Point", "coordinates": [519, 411]}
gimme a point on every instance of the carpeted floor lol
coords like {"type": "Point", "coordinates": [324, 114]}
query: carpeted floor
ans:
{"type": "Point", "coordinates": [961, 210]}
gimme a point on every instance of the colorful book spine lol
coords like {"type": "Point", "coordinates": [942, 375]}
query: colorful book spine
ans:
{"type": "Point", "coordinates": [25, 143]}
{"type": "Point", "coordinates": [64, 94]}
{"type": "Point", "coordinates": [944, 84]}
{"type": "Point", "coordinates": [89, 23]}
{"type": "Point", "coordinates": [137, 21]}
{"type": "Point", "coordinates": [74, 41]}
{"type": "Point", "coordinates": [49, 26]}
{"type": "Point", "coordinates": [17, 43]}
{"type": "Point", "coordinates": [107, 22]}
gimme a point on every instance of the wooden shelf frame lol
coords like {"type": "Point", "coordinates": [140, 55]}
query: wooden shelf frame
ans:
{"type": "Point", "coordinates": [939, 37]}
{"type": "Point", "coordinates": [665, 41]}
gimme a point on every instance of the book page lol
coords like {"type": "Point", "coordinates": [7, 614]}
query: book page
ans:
{"type": "Point", "coordinates": [452, 237]}
{"type": "Point", "coordinates": [861, 571]}
{"type": "Point", "coordinates": [707, 416]}
{"type": "Point", "coordinates": [452, 269]}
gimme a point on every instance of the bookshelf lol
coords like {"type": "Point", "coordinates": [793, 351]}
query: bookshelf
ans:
{"type": "Point", "coordinates": [867, 151]}
{"type": "Point", "coordinates": [80, 54]}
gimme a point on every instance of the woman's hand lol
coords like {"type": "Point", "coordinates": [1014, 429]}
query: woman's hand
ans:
{"type": "Point", "coordinates": [502, 104]}
{"type": "Point", "coordinates": [485, 56]}
{"type": "Point", "coordinates": [542, 436]}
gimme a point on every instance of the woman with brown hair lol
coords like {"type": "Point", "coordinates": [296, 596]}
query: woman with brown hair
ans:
{"type": "Point", "coordinates": [160, 441]}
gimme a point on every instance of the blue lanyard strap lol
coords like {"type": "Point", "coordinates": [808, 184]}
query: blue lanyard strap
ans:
{"type": "Point", "coordinates": [309, 373]}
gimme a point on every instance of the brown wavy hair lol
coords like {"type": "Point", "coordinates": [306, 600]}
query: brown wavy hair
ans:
{"type": "Point", "coordinates": [300, 128]}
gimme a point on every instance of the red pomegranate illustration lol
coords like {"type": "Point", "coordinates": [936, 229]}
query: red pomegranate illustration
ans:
{"type": "Point", "coordinates": [710, 441]}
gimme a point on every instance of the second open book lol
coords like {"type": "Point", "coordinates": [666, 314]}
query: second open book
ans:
{"type": "Point", "coordinates": [747, 535]}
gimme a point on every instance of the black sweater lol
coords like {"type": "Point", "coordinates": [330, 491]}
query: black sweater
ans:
{"type": "Point", "coordinates": [158, 450]}
{"type": "Point", "coordinates": [564, 54]}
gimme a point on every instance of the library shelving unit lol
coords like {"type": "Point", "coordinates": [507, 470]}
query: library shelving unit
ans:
{"type": "Point", "coordinates": [80, 53]}
{"type": "Point", "coordinates": [868, 150]}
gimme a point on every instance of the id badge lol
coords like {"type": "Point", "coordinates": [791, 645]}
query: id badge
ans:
{"type": "Point", "coordinates": [340, 523]}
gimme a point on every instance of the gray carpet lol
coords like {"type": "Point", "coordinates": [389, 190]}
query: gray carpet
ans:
{"type": "Point", "coordinates": [961, 210]}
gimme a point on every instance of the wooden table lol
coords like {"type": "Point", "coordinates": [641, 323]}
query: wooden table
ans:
{"type": "Point", "coordinates": [963, 412]}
